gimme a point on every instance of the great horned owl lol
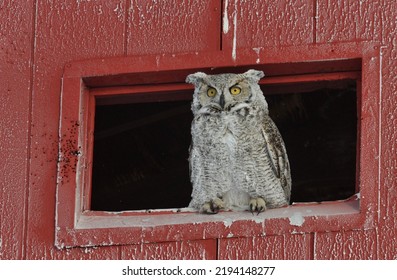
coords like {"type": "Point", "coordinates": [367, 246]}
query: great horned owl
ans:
{"type": "Point", "coordinates": [237, 157]}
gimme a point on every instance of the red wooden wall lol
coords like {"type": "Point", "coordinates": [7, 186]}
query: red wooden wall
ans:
{"type": "Point", "coordinates": [37, 39]}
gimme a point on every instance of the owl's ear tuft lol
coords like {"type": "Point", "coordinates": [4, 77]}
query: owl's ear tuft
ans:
{"type": "Point", "coordinates": [195, 78]}
{"type": "Point", "coordinates": [255, 75]}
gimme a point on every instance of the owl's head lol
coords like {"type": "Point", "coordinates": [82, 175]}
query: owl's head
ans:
{"type": "Point", "coordinates": [225, 92]}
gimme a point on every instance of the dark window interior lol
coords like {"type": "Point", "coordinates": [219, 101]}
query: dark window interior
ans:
{"type": "Point", "coordinates": [141, 149]}
{"type": "Point", "coordinates": [141, 155]}
{"type": "Point", "coordinates": [319, 129]}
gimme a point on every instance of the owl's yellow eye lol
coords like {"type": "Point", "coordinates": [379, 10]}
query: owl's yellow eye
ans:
{"type": "Point", "coordinates": [235, 90]}
{"type": "Point", "coordinates": [211, 92]}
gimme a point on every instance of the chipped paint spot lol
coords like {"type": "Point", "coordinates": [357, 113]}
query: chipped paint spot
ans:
{"type": "Point", "coordinates": [234, 50]}
{"type": "Point", "coordinates": [226, 19]}
{"type": "Point", "coordinates": [258, 219]}
{"type": "Point", "coordinates": [157, 61]}
{"type": "Point", "coordinates": [228, 222]}
{"type": "Point", "coordinates": [119, 12]}
{"type": "Point", "coordinates": [296, 219]}
{"type": "Point", "coordinates": [257, 51]}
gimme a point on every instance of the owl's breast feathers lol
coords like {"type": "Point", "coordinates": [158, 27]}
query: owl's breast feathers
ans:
{"type": "Point", "coordinates": [248, 132]}
{"type": "Point", "coordinates": [239, 122]}
{"type": "Point", "coordinates": [236, 147]}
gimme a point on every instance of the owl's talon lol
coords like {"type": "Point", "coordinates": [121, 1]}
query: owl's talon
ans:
{"type": "Point", "coordinates": [260, 209]}
{"type": "Point", "coordinates": [257, 205]}
{"type": "Point", "coordinates": [213, 206]}
{"type": "Point", "coordinates": [252, 209]}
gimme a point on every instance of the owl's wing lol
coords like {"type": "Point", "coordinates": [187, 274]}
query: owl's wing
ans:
{"type": "Point", "coordinates": [276, 151]}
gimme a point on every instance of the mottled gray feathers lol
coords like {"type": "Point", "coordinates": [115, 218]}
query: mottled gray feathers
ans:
{"type": "Point", "coordinates": [237, 157]}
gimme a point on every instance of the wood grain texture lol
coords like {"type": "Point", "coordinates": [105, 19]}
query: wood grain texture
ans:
{"type": "Point", "coordinates": [87, 253]}
{"type": "Point", "coordinates": [298, 247]}
{"type": "Point", "coordinates": [387, 249]}
{"type": "Point", "coordinates": [279, 247]}
{"type": "Point", "coordinates": [349, 245]}
{"type": "Point", "coordinates": [389, 110]}
{"type": "Point", "coordinates": [344, 20]}
{"type": "Point", "coordinates": [185, 250]}
{"type": "Point", "coordinates": [65, 31]}
{"type": "Point", "coordinates": [15, 98]}
{"type": "Point", "coordinates": [269, 247]}
{"type": "Point", "coordinates": [256, 24]}
{"type": "Point", "coordinates": [388, 191]}
{"type": "Point", "coordinates": [173, 26]}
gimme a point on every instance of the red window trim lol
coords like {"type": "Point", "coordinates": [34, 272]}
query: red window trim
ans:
{"type": "Point", "coordinates": [156, 75]}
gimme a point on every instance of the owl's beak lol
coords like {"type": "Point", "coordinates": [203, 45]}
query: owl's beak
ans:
{"type": "Point", "coordinates": [222, 101]}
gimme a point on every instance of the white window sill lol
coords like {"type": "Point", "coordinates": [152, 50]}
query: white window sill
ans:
{"type": "Point", "coordinates": [295, 213]}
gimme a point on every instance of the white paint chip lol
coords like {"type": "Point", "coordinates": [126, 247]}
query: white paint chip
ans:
{"type": "Point", "coordinates": [234, 50]}
{"type": "Point", "coordinates": [257, 51]}
{"type": "Point", "coordinates": [228, 222]}
{"type": "Point", "coordinates": [296, 219]}
{"type": "Point", "coordinates": [226, 19]}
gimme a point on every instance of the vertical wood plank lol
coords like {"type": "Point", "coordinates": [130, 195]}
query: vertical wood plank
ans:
{"type": "Point", "coordinates": [344, 20]}
{"type": "Point", "coordinates": [66, 31]}
{"type": "Point", "coordinates": [388, 187]}
{"type": "Point", "coordinates": [349, 245]}
{"type": "Point", "coordinates": [172, 26]}
{"type": "Point", "coordinates": [282, 247]}
{"type": "Point", "coordinates": [389, 112]}
{"type": "Point", "coordinates": [387, 248]}
{"type": "Point", "coordinates": [15, 96]}
{"type": "Point", "coordinates": [298, 247]}
{"type": "Point", "coordinates": [255, 24]}
{"type": "Point", "coordinates": [261, 248]}
{"type": "Point", "coordinates": [184, 250]}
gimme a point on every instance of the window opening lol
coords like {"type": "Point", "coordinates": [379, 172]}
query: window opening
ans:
{"type": "Point", "coordinates": [140, 157]}
{"type": "Point", "coordinates": [344, 76]}
{"type": "Point", "coordinates": [319, 129]}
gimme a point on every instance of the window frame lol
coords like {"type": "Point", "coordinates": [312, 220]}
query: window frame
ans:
{"type": "Point", "coordinates": [162, 76]}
